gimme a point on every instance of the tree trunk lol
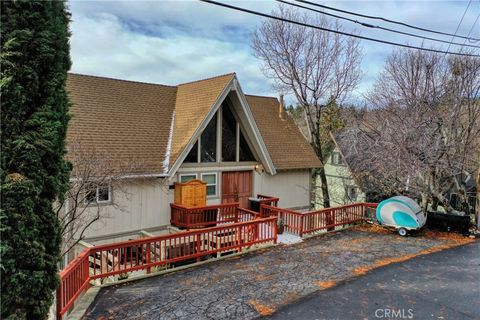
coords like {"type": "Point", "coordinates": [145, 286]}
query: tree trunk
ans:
{"type": "Point", "coordinates": [325, 193]}
{"type": "Point", "coordinates": [424, 202]}
{"type": "Point", "coordinates": [321, 172]}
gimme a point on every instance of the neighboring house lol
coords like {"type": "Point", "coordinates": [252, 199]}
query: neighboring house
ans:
{"type": "Point", "coordinates": [342, 186]}
{"type": "Point", "coordinates": [240, 145]}
{"type": "Point", "coordinates": [470, 184]}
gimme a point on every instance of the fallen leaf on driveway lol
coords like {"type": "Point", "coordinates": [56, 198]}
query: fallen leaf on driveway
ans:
{"type": "Point", "coordinates": [263, 310]}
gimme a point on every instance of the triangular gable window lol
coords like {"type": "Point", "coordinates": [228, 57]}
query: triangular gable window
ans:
{"type": "Point", "coordinates": [234, 146]}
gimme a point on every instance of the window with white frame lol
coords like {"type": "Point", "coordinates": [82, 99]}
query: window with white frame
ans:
{"type": "Point", "coordinates": [211, 180]}
{"type": "Point", "coordinates": [351, 193]}
{"type": "Point", "coordinates": [187, 177]}
{"type": "Point", "coordinates": [337, 158]}
{"type": "Point", "coordinates": [98, 194]}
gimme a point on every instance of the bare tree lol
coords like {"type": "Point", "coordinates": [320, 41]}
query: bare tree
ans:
{"type": "Point", "coordinates": [319, 68]}
{"type": "Point", "coordinates": [92, 175]}
{"type": "Point", "coordinates": [424, 134]}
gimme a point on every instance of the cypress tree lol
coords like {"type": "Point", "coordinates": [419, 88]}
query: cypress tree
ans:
{"type": "Point", "coordinates": [34, 64]}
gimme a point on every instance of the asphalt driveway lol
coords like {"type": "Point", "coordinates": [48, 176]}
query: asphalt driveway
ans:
{"type": "Point", "coordinates": [443, 285]}
{"type": "Point", "coordinates": [260, 283]}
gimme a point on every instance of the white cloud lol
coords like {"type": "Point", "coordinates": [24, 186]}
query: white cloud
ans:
{"type": "Point", "coordinates": [170, 42]}
{"type": "Point", "coordinates": [103, 46]}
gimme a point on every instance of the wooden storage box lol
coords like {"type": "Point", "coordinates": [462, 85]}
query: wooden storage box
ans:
{"type": "Point", "coordinates": [191, 194]}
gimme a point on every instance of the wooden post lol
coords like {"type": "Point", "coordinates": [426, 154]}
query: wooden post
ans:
{"type": "Point", "coordinates": [302, 218]}
{"type": "Point", "coordinates": [328, 219]}
{"type": "Point", "coordinates": [275, 232]}
{"type": "Point", "coordinates": [149, 269]}
{"type": "Point", "coordinates": [199, 247]}
{"type": "Point", "coordinates": [239, 238]}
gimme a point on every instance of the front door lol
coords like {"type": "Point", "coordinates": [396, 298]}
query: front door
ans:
{"type": "Point", "coordinates": [237, 187]}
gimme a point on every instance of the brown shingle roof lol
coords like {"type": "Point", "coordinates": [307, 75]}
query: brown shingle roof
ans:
{"type": "Point", "coordinates": [194, 100]}
{"type": "Point", "coordinates": [130, 122]}
{"type": "Point", "coordinates": [286, 145]}
{"type": "Point", "coordinates": [126, 121]}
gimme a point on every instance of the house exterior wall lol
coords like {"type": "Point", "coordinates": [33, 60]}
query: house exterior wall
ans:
{"type": "Point", "coordinates": [136, 205]}
{"type": "Point", "coordinates": [339, 178]}
{"type": "Point", "coordinates": [145, 204]}
{"type": "Point", "coordinates": [291, 186]}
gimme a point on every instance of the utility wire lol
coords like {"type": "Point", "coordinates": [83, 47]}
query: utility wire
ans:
{"type": "Point", "coordinates": [386, 20]}
{"type": "Point", "coordinates": [471, 29]}
{"type": "Point", "coordinates": [368, 25]}
{"type": "Point", "coordinates": [458, 26]}
{"type": "Point", "coordinates": [330, 30]}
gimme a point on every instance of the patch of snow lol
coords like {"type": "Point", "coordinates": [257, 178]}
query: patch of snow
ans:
{"type": "Point", "coordinates": [288, 238]}
{"type": "Point", "coordinates": [166, 161]}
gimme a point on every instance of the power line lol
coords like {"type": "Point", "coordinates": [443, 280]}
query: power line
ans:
{"type": "Point", "coordinates": [368, 25]}
{"type": "Point", "coordinates": [458, 26]}
{"type": "Point", "coordinates": [472, 28]}
{"type": "Point", "coordinates": [386, 20]}
{"type": "Point", "coordinates": [330, 30]}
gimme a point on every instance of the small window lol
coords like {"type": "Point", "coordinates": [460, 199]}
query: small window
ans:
{"type": "Point", "coordinates": [337, 158]}
{"type": "Point", "coordinates": [211, 180]}
{"type": "Point", "coordinates": [351, 193]}
{"type": "Point", "coordinates": [91, 195]}
{"type": "Point", "coordinates": [187, 177]}
{"type": "Point", "coordinates": [98, 194]}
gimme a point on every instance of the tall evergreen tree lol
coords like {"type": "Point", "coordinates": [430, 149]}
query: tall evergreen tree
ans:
{"type": "Point", "coordinates": [34, 64]}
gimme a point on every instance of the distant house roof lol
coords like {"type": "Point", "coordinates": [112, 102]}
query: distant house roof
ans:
{"type": "Point", "coordinates": [152, 124]}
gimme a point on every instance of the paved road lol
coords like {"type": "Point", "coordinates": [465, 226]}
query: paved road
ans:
{"type": "Point", "coordinates": [443, 285]}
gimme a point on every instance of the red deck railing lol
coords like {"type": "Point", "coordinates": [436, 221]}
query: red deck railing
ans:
{"type": "Point", "coordinates": [202, 217]}
{"type": "Point", "coordinates": [268, 200]}
{"type": "Point", "coordinates": [313, 221]}
{"type": "Point", "coordinates": [143, 254]}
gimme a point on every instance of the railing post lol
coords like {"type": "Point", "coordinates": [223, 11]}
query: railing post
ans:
{"type": "Point", "coordinates": [275, 234]}
{"type": "Point", "coordinates": [239, 238]}
{"type": "Point", "coordinates": [87, 268]}
{"type": "Point", "coordinates": [149, 250]}
{"type": "Point", "coordinates": [199, 247]}
{"type": "Point", "coordinates": [328, 216]}
{"type": "Point", "coordinates": [302, 218]}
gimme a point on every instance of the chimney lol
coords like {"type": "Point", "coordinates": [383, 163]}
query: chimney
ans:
{"type": "Point", "coordinates": [281, 107]}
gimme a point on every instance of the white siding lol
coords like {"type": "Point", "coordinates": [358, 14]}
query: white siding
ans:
{"type": "Point", "coordinates": [138, 205]}
{"type": "Point", "coordinates": [145, 205]}
{"type": "Point", "coordinates": [292, 187]}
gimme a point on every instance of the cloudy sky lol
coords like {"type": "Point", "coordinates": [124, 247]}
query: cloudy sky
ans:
{"type": "Point", "coordinates": [171, 42]}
